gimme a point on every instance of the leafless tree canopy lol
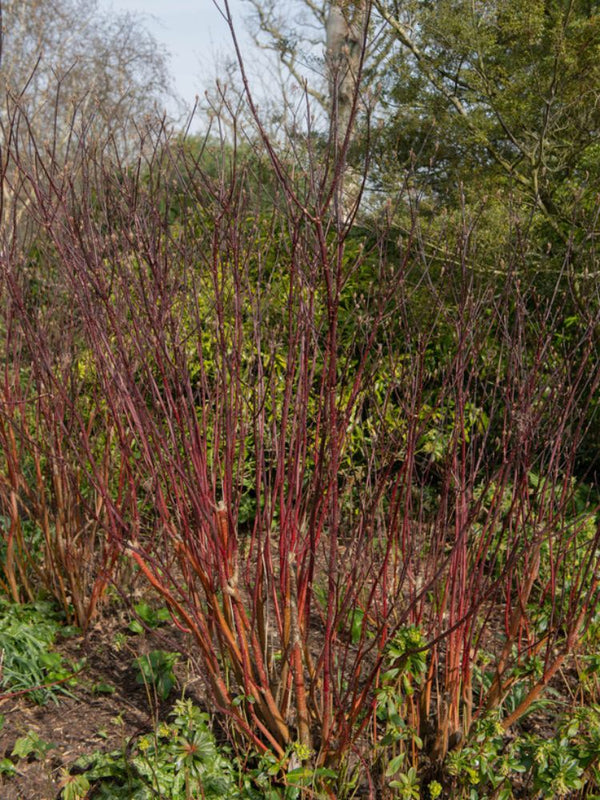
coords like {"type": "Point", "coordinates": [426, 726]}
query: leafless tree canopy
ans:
{"type": "Point", "coordinates": [60, 57]}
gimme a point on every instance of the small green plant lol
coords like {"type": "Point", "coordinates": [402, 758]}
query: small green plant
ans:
{"type": "Point", "coordinates": [103, 688]}
{"type": "Point", "coordinates": [555, 769]}
{"type": "Point", "coordinates": [484, 766]}
{"type": "Point", "coordinates": [435, 790]}
{"type": "Point", "coordinates": [490, 763]}
{"type": "Point", "coordinates": [179, 759]}
{"type": "Point", "coordinates": [406, 785]}
{"type": "Point", "coordinates": [6, 765]}
{"type": "Point", "coordinates": [270, 778]}
{"type": "Point", "coordinates": [559, 766]}
{"type": "Point", "coordinates": [156, 669]}
{"type": "Point", "coordinates": [74, 787]}
{"type": "Point", "coordinates": [31, 746]}
{"type": "Point", "coordinates": [148, 617]}
{"type": "Point", "coordinates": [27, 635]}
{"type": "Point", "coordinates": [396, 710]}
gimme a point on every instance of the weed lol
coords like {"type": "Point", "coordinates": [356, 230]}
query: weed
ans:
{"type": "Point", "coordinates": [31, 746]}
{"type": "Point", "coordinates": [156, 670]}
{"type": "Point", "coordinates": [178, 759]}
{"type": "Point", "coordinates": [149, 617]}
{"type": "Point", "coordinates": [492, 764]}
{"type": "Point", "coordinates": [266, 777]}
{"type": "Point", "coordinates": [6, 765]}
{"type": "Point", "coordinates": [74, 787]}
{"type": "Point", "coordinates": [397, 709]}
{"type": "Point", "coordinates": [29, 663]}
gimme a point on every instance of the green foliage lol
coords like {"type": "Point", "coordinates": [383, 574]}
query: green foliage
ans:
{"type": "Point", "coordinates": [490, 763]}
{"type": "Point", "coordinates": [179, 759]}
{"type": "Point", "coordinates": [269, 778]}
{"type": "Point", "coordinates": [556, 771]}
{"type": "Point", "coordinates": [75, 787]}
{"type": "Point", "coordinates": [407, 654]}
{"type": "Point", "coordinates": [7, 767]}
{"type": "Point", "coordinates": [484, 764]}
{"type": "Point", "coordinates": [32, 535]}
{"type": "Point", "coordinates": [27, 635]}
{"type": "Point", "coordinates": [151, 617]}
{"type": "Point", "coordinates": [103, 688]}
{"type": "Point", "coordinates": [31, 746]}
{"type": "Point", "coordinates": [435, 790]}
{"type": "Point", "coordinates": [495, 91]}
{"type": "Point", "coordinates": [156, 670]}
{"type": "Point", "coordinates": [407, 785]}
{"type": "Point", "coordinates": [443, 426]}
{"type": "Point", "coordinates": [404, 673]}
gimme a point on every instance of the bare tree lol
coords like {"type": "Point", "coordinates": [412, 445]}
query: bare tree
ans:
{"type": "Point", "coordinates": [68, 72]}
{"type": "Point", "coordinates": [62, 56]}
{"type": "Point", "coordinates": [317, 42]}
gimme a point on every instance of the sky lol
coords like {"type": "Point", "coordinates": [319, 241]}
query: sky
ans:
{"type": "Point", "coordinates": [193, 32]}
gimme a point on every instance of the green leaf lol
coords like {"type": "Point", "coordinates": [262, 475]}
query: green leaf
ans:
{"type": "Point", "coordinates": [156, 669]}
{"type": "Point", "coordinates": [7, 767]}
{"type": "Point", "coordinates": [103, 688]}
{"type": "Point", "coordinates": [31, 745]}
{"type": "Point", "coordinates": [394, 765]}
{"type": "Point", "coordinates": [76, 788]}
{"type": "Point", "coordinates": [356, 625]}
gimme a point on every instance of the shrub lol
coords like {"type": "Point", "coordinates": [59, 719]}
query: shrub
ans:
{"type": "Point", "coordinates": [348, 472]}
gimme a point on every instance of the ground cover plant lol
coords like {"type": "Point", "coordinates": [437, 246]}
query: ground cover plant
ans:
{"type": "Point", "coordinates": [31, 664]}
{"type": "Point", "coordinates": [351, 466]}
